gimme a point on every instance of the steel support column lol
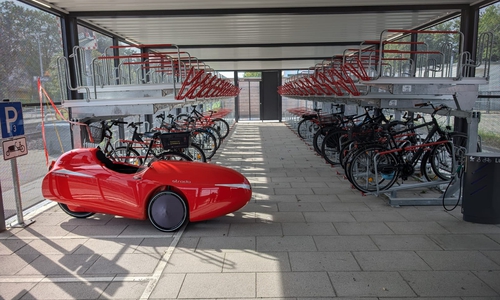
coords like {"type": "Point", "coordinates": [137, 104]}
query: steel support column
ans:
{"type": "Point", "coordinates": [237, 98]}
{"type": "Point", "coordinates": [468, 26]}
{"type": "Point", "coordinates": [69, 29]}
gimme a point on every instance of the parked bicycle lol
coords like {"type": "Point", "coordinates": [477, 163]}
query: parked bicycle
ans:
{"type": "Point", "coordinates": [378, 166]}
{"type": "Point", "coordinates": [196, 116]}
{"type": "Point", "coordinates": [152, 145]}
{"type": "Point", "coordinates": [201, 137]}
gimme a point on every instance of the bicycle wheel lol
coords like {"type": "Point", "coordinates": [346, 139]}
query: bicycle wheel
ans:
{"type": "Point", "coordinates": [222, 126]}
{"type": "Point", "coordinates": [331, 145]}
{"type": "Point", "coordinates": [195, 153]}
{"type": "Point", "coordinates": [347, 149]}
{"type": "Point", "coordinates": [319, 136]}
{"type": "Point", "coordinates": [182, 117]}
{"type": "Point", "coordinates": [173, 155]}
{"type": "Point", "coordinates": [126, 155]}
{"type": "Point", "coordinates": [216, 134]}
{"type": "Point", "coordinates": [368, 174]}
{"type": "Point", "coordinates": [442, 162]}
{"type": "Point", "coordinates": [167, 211]}
{"type": "Point", "coordinates": [306, 129]}
{"type": "Point", "coordinates": [75, 214]}
{"type": "Point", "coordinates": [426, 169]}
{"type": "Point", "coordinates": [206, 140]}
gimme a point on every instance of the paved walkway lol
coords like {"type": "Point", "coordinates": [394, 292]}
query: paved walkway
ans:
{"type": "Point", "coordinates": [305, 235]}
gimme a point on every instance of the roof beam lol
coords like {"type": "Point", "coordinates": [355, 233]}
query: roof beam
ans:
{"type": "Point", "coordinates": [217, 12]}
{"type": "Point", "coordinates": [280, 45]}
{"type": "Point", "coordinates": [263, 59]}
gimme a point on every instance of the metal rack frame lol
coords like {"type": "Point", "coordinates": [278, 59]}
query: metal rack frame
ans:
{"type": "Point", "coordinates": [357, 78]}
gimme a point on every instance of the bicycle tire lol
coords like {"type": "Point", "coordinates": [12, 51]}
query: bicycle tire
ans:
{"type": "Point", "coordinates": [306, 129]}
{"type": "Point", "coordinates": [426, 169]}
{"type": "Point", "coordinates": [182, 117]}
{"type": "Point", "coordinates": [347, 149]}
{"type": "Point", "coordinates": [195, 153]}
{"type": "Point", "coordinates": [362, 170]}
{"type": "Point", "coordinates": [205, 140]}
{"type": "Point", "coordinates": [222, 126]}
{"type": "Point", "coordinates": [441, 158]}
{"type": "Point", "coordinates": [216, 134]}
{"type": "Point", "coordinates": [126, 155]}
{"type": "Point", "coordinates": [330, 147]}
{"type": "Point", "coordinates": [319, 136]}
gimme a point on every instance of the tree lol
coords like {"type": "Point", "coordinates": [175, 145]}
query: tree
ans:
{"type": "Point", "coordinates": [29, 36]}
{"type": "Point", "coordinates": [489, 21]}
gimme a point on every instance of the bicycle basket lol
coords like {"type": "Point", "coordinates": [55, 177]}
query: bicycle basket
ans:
{"type": "Point", "coordinates": [97, 131]}
{"type": "Point", "coordinates": [175, 140]}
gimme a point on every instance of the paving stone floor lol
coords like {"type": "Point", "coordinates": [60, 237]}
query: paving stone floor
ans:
{"type": "Point", "coordinates": [305, 235]}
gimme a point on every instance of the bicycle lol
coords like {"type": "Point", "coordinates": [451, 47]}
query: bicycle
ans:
{"type": "Point", "coordinates": [121, 153]}
{"type": "Point", "coordinates": [377, 167]}
{"type": "Point", "coordinates": [338, 134]}
{"type": "Point", "coordinates": [308, 126]}
{"type": "Point", "coordinates": [221, 126]}
{"type": "Point", "coordinates": [154, 149]}
{"type": "Point", "coordinates": [200, 137]}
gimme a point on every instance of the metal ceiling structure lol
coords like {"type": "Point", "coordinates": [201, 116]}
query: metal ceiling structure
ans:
{"type": "Point", "coordinates": [258, 34]}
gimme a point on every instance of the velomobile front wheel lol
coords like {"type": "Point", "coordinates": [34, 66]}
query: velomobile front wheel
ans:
{"type": "Point", "coordinates": [167, 211]}
{"type": "Point", "coordinates": [76, 214]}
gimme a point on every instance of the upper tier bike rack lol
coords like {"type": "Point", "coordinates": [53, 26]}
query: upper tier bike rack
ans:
{"type": "Point", "coordinates": [138, 83]}
{"type": "Point", "coordinates": [398, 73]}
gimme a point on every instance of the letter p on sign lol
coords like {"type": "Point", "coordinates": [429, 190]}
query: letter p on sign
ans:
{"type": "Point", "coordinates": [11, 119]}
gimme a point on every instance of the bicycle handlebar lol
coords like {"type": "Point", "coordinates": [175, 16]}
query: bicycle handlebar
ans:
{"type": "Point", "coordinates": [116, 122]}
{"type": "Point", "coordinates": [135, 124]}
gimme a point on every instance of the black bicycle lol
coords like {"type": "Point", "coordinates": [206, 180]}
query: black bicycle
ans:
{"type": "Point", "coordinates": [206, 121]}
{"type": "Point", "coordinates": [156, 145]}
{"type": "Point", "coordinates": [378, 166]}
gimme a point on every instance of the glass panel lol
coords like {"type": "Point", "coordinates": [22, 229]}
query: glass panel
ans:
{"type": "Point", "coordinates": [31, 44]}
{"type": "Point", "coordinates": [489, 127]}
{"type": "Point", "coordinates": [92, 44]}
{"type": "Point", "coordinates": [249, 95]}
{"type": "Point", "coordinates": [130, 72]}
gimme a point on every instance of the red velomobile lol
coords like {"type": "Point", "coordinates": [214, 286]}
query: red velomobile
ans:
{"type": "Point", "coordinates": [169, 193]}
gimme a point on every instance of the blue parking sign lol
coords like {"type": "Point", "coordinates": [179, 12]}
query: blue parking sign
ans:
{"type": "Point", "coordinates": [11, 119]}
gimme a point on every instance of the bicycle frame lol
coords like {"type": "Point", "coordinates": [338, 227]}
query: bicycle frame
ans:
{"type": "Point", "coordinates": [421, 148]}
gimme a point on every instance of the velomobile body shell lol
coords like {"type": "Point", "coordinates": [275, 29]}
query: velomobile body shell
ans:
{"type": "Point", "coordinates": [82, 182]}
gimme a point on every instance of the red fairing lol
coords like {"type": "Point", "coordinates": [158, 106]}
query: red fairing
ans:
{"type": "Point", "coordinates": [79, 180]}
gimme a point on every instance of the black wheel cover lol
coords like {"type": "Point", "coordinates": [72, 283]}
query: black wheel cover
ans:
{"type": "Point", "coordinates": [167, 211]}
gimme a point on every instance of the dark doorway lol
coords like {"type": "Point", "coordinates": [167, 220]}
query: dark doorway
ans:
{"type": "Point", "coordinates": [270, 100]}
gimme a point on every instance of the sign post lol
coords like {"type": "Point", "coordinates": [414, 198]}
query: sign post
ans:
{"type": "Point", "coordinates": [2, 212]}
{"type": "Point", "coordinates": [12, 124]}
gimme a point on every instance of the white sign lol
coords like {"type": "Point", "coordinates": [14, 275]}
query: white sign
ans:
{"type": "Point", "coordinates": [14, 148]}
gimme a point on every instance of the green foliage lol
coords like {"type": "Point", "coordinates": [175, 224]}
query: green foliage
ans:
{"type": "Point", "coordinates": [489, 21]}
{"type": "Point", "coordinates": [28, 37]}
{"type": "Point", "coordinates": [490, 139]}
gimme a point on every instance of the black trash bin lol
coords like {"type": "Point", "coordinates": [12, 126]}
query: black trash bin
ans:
{"type": "Point", "coordinates": [481, 188]}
